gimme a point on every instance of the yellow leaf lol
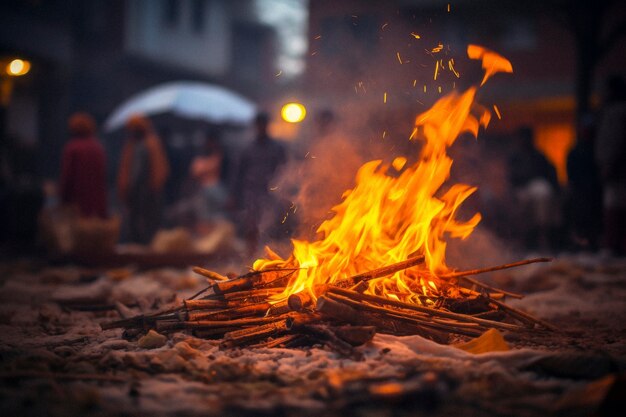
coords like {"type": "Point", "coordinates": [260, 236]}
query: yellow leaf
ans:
{"type": "Point", "coordinates": [490, 341]}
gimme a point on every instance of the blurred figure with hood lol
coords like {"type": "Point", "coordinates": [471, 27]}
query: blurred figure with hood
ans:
{"type": "Point", "coordinates": [142, 174]}
{"type": "Point", "coordinates": [83, 168]}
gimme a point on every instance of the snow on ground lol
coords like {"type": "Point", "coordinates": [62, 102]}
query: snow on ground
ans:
{"type": "Point", "coordinates": [57, 361]}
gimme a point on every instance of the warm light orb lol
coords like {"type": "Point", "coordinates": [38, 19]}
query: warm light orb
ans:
{"type": "Point", "coordinates": [293, 112]}
{"type": "Point", "coordinates": [18, 67]}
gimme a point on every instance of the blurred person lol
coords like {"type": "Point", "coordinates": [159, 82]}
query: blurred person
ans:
{"type": "Point", "coordinates": [258, 164]}
{"type": "Point", "coordinates": [611, 158]}
{"type": "Point", "coordinates": [142, 174]}
{"type": "Point", "coordinates": [534, 185]}
{"type": "Point", "coordinates": [583, 205]}
{"type": "Point", "coordinates": [207, 169]}
{"type": "Point", "coordinates": [83, 169]}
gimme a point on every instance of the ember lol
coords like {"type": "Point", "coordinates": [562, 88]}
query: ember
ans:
{"type": "Point", "coordinates": [334, 290]}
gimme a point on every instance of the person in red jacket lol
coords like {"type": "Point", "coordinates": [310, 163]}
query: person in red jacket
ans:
{"type": "Point", "coordinates": [83, 168]}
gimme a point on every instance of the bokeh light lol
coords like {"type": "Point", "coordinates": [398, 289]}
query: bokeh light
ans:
{"type": "Point", "coordinates": [293, 112]}
{"type": "Point", "coordinates": [18, 67]}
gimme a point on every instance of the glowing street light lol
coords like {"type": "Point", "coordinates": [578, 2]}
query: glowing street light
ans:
{"type": "Point", "coordinates": [293, 112]}
{"type": "Point", "coordinates": [17, 67]}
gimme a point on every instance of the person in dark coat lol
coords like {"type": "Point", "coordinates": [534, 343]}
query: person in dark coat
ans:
{"type": "Point", "coordinates": [584, 190]}
{"type": "Point", "coordinates": [257, 167]}
{"type": "Point", "coordinates": [142, 174]}
{"type": "Point", "coordinates": [83, 169]}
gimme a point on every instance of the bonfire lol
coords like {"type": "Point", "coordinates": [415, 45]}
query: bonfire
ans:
{"type": "Point", "coordinates": [379, 263]}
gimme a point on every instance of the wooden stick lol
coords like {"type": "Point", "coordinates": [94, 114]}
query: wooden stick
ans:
{"type": "Point", "coordinates": [490, 288]}
{"type": "Point", "coordinates": [519, 314]}
{"type": "Point", "coordinates": [380, 272]}
{"type": "Point", "coordinates": [206, 304]}
{"type": "Point", "coordinates": [254, 280]}
{"type": "Point", "coordinates": [494, 268]}
{"type": "Point", "coordinates": [345, 313]}
{"type": "Point", "coordinates": [300, 301]}
{"type": "Point", "coordinates": [229, 314]}
{"type": "Point", "coordinates": [209, 274]}
{"type": "Point", "coordinates": [279, 341]}
{"type": "Point", "coordinates": [422, 322]}
{"type": "Point", "coordinates": [244, 336]}
{"type": "Point", "coordinates": [431, 311]}
{"type": "Point", "coordinates": [259, 293]}
{"type": "Point", "coordinates": [278, 309]}
{"type": "Point", "coordinates": [208, 324]}
{"type": "Point", "coordinates": [330, 339]}
{"type": "Point", "coordinates": [355, 335]}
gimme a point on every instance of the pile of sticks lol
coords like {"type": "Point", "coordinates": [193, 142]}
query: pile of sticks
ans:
{"type": "Point", "coordinates": [340, 315]}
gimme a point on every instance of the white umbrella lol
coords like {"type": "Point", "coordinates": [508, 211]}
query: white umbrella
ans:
{"type": "Point", "coordinates": [188, 99]}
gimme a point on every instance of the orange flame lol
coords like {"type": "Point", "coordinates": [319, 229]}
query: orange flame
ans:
{"type": "Point", "coordinates": [396, 211]}
{"type": "Point", "coordinates": [492, 62]}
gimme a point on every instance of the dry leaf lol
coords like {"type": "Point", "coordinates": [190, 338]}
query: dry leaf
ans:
{"type": "Point", "coordinates": [490, 341]}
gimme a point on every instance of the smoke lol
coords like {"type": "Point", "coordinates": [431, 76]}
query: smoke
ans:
{"type": "Point", "coordinates": [376, 76]}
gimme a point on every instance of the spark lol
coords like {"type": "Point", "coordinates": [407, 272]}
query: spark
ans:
{"type": "Point", "coordinates": [437, 48]}
{"type": "Point", "coordinates": [439, 88]}
{"type": "Point", "coordinates": [285, 218]}
{"type": "Point", "coordinates": [415, 35]}
{"type": "Point", "coordinates": [451, 66]}
{"type": "Point", "coordinates": [279, 73]}
{"type": "Point", "coordinates": [413, 134]}
{"type": "Point", "coordinates": [495, 108]}
{"type": "Point", "coordinates": [436, 70]}
{"type": "Point", "coordinates": [274, 188]}
{"type": "Point", "coordinates": [318, 37]}
{"type": "Point", "coordinates": [384, 134]}
{"type": "Point", "coordinates": [384, 26]}
{"type": "Point", "coordinates": [414, 83]}
{"type": "Point", "coordinates": [448, 7]}
{"type": "Point", "coordinates": [399, 59]}
{"type": "Point", "coordinates": [313, 53]}
{"type": "Point", "coordinates": [385, 98]}
{"type": "Point", "coordinates": [424, 87]}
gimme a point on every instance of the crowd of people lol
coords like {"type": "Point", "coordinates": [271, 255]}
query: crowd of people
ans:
{"type": "Point", "coordinates": [531, 208]}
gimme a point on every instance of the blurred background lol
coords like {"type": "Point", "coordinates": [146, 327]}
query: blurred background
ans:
{"type": "Point", "coordinates": [200, 71]}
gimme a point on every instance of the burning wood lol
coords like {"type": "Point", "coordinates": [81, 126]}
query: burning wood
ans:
{"type": "Point", "coordinates": [395, 218]}
{"type": "Point", "coordinates": [334, 316]}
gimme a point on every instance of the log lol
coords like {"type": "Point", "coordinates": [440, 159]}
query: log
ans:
{"type": "Point", "coordinates": [247, 321]}
{"type": "Point", "coordinates": [245, 336]}
{"type": "Point", "coordinates": [420, 309]}
{"type": "Point", "coordinates": [231, 313]}
{"type": "Point", "coordinates": [355, 335]}
{"type": "Point", "coordinates": [342, 312]}
{"type": "Point", "coordinates": [254, 280]}
{"type": "Point", "coordinates": [380, 272]}
{"type": "Point", "coordinates": [277, 342]}
{"type": "Point", "coordinates": [206, 304]}
{"type": "Point", "coordinates": [300, 301]}
{"type": "Point", "coordinates": [278, 309]}
{"type": "Point", "coordinates": [428, 327]}
{"type": "Point", "coordinates": [329, 338]}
